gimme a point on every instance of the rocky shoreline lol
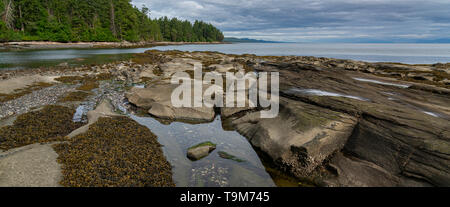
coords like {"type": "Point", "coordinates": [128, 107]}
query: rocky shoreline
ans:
{"type": "Point", "coordinates": [85, 45]}
{"type": "Point", "coordinates": [341, 122]}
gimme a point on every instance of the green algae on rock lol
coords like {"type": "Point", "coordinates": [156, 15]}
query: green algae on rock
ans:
{"type": "Point", "coordinates": [51, 123]}
{"type": "Point", "coordinates": [114, 152]}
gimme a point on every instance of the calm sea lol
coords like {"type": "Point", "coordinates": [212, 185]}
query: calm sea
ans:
{"type": "Point", "coordinates": [404, 53]}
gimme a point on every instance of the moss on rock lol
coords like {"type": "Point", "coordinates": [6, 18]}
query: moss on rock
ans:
{"type": "Point", "coordinates": [228, 156]}
{"type": "Point", "coordinates": [114, 152]}
{"type": "Point", "coordinates": [203, 144]}
{"type": "Point", "coordinates": [88, 86]}
{"type": "Point", "coordinates": [51, 123]}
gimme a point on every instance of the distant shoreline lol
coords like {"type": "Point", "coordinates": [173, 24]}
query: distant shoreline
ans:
{"type": "Point", "coordinates": [87, 45]}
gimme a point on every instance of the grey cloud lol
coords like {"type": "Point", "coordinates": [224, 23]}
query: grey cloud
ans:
{"type": "Point", "coordinates": [315, 20]}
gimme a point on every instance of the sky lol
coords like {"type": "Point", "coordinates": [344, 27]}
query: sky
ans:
{"type": "Point", "coordinates": [316, 20]}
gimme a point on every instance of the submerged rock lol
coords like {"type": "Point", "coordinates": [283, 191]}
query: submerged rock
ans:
{"type": "Point", "coordinates": [228, 156]}
{"type": "Point", "coordinates": [200, 151]}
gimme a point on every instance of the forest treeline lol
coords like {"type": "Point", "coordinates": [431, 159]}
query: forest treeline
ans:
{"type": "Point", "coordinates": [94, 20]}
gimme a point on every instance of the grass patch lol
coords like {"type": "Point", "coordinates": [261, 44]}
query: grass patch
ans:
{"type": "Point", "coordinates": [203, 144]}
{"type": "Point", "coordinates": [114, 152]}
{"type": "Point", "coordinates": [75, 96]}
{"type": "Point", "coordinates": [51, 123]}
{"type": "Point", "coordinates": [23, 91]}
{"type": "Point", "coordinates": [227, 156]}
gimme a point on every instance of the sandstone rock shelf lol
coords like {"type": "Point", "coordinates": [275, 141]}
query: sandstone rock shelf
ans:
{"type": "Point", "coordinates": [341, 122]}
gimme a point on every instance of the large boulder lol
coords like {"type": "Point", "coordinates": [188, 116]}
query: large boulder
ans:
{"type": "Point", "coordinates": [300, 138]}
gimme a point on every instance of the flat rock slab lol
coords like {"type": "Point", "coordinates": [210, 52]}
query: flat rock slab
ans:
{"type": "Point", "coordinates": [356, 172]}
{"type": "Point", "coordinates": [8, 86]}
{"type": "Point", "coordinates": [157, 99]}
{"type": "Point", "coordinates": [30, 166]}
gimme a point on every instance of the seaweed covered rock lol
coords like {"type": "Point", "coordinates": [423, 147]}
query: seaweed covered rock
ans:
{"type": "Point", "coordinates": [51, 123]}
{"type": "Point", "coordinates": [75, 96]}
{"type": "Point", "coordinates": [30, 166]}
{"type": "Point", "coordinates": [114, 152]}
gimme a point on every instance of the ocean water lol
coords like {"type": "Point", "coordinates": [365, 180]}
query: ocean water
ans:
{"type": "Point", "coordinates": [404, 53]}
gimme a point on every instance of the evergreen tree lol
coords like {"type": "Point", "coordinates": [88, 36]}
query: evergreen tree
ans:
{"type": "Point", "coordinates": [94, 20]}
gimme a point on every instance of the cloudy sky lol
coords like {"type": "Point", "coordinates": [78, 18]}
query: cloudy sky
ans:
{"type": "Point", "coordinates": [316, 20]}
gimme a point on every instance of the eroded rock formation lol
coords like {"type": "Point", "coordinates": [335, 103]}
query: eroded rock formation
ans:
{"type": "Point", "coordinates": [367, 124]}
